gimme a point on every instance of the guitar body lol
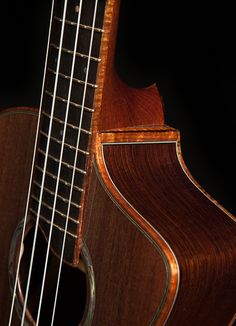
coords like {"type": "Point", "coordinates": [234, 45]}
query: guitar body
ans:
{"type": "Point", "coordinates": [190, 232]}
{"type": "Point", "coordinates": [161, 251]}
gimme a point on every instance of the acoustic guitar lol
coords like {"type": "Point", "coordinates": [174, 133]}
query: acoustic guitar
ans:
{"type": "Point", "coordinates": [101, 221]}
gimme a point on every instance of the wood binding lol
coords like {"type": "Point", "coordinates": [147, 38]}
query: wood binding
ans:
{"type": "Point", "coordinates": [116, 104]}
{"type": "Point", "coordinates": [141, 135]}
{"type": "Point", "coordinates": [193, 225]}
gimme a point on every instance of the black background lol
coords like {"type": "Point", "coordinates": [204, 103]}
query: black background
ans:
{"type": "Point", "coordinates": [186, 48]}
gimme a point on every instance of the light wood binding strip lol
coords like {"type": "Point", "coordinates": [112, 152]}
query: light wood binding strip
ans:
{"type": "Point", "coordinates": [169, 135]}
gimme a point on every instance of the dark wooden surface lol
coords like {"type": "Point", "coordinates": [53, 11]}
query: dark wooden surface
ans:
{"type": "Point", "coordinates": [17, 133]}
{"type": "Point", "coordinates": [126, 263]}
{"type": "Point", "coordinates": [201, 235]}
{"type": "Point", "coordinates": [130, 273]}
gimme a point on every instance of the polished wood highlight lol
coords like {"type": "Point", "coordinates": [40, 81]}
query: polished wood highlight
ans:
{"type": "Point", "coordinates": [116, 104]}
{"type": "Point", "coordinates": [128, 265]}
{"type": "Point", "coordinates": [200, 233]}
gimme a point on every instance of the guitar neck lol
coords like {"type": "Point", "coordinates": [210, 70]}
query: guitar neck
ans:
{"type": "Point", "coordinates": [69, 101]}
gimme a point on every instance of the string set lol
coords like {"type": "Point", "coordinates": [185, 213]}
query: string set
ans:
{"type": "Point", "coordinates": [78, 10]}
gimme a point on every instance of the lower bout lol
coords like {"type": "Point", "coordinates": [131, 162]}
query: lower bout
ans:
{"type": "Point", "coordinates": [132, 274]}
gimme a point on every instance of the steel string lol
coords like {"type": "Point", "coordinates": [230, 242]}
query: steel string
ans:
{"type": "Point", "coordinates": [75, 159]}
{"type": "Point", "coordinates": [60, 163]}
{"type": "Point", "coordinates": [31, 173]}
{"type": "Point", "coordinates": [44, 168]}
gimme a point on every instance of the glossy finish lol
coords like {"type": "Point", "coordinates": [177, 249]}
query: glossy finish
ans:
{"type": "Point", "coordinates": [131, 273]}
{"type": "Point", "coordinates": [147, 178]}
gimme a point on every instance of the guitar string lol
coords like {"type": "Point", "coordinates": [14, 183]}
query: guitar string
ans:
{"type": "Point", "coordinates": [44, 167]}
{"type": "Point", "coordinates": [76, 152]}
{"type": "Point", "coordinates": [75, 159]}
{"type": "Point", "coordinates": [60, 162]}
{"type": "Point", "coordinates": [31, 173]}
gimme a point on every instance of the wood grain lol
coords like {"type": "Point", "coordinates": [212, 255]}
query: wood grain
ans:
{"type": "Point", "coordinates": [149, 179]}
{"type": "Point", "coordinates": [131, 274]}
{"type": "Point", "coordinates": [17, 134]}
{"type": "Point", "coordinates": [116, 104]}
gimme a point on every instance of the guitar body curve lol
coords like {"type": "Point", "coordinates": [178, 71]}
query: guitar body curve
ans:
{"type": "Point", "coordinates": [144, 175]}
{"type": "Point", "coordinates": [132, 276]}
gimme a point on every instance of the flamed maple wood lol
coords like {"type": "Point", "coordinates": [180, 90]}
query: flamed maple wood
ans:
{"type": "Point", "coordinates": [116, 104]}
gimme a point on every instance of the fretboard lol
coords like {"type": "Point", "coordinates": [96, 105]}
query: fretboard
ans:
{"type": "Point", "coordinates": [65, 123]}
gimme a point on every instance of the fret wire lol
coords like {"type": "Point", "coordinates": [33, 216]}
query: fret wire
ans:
{"type": "Point", "coordinates": [76, 80]}
{"type": "Point", "coordinates": [75, 159]}
{"type": "Point", "coordinates": [66, 144]}
{"type": "Point", "coordinates": [87, 132]}
{"type": "Point", "coordinates": [69, 166]}
{"type": "Point", "coordinates": [59, 98]}
{"type": "Point", "coordinates": [55, 225]}
{"type": "Point", "coordinates": [79, 54]}
{"type": "Point", "coordinates": [74, 167]}
{"type": "Point", "coordinates": [59, 196]}
{"type": "Point", "coordinates": [56, 210]}
{"type": "Point", "coordinates": [60, 179]}
{"type": "Point", "coordinates": [69, 22]}
{"type": "Point", "coordinates": [86, 84]}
